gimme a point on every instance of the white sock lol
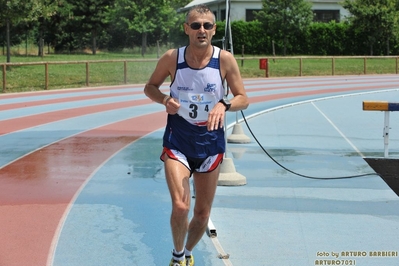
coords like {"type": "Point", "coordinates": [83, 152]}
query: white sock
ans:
{"type": "Point", "coordinates": [187, 252]}
{"type": "Point", "coordinates": [179, 256]}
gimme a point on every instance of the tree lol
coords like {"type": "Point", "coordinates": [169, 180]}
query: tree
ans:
{"type": "Point", "coordinates": [59, 26]}
{"type": "Point", "coordinates": [145, 17]}
{"type": "Point", "coordinates": [377, 19]}
{"type": "Point", "coordinates": [13, 11]}
{"type": "Point", "coordinates": [92, 16]}
{"type": "Point", "coordinates": [285, 19]}
{"type": "Point", "coordinates": [41, 11]}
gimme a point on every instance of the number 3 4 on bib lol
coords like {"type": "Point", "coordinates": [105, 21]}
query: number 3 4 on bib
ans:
{"type": "Point", "coordinates": [196, 106]}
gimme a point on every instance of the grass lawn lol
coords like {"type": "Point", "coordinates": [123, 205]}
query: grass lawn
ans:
{"type": "Point", "coordinates": [109, 69]}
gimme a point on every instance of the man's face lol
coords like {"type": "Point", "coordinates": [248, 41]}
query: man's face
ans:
{"type": "Point", "coordinates": [200, 29]}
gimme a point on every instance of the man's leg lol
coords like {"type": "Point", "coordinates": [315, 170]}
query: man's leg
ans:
{"type": "Point", "coordinates": [205, 189]}
{"type": "Point", "coordinates": [177, 177]}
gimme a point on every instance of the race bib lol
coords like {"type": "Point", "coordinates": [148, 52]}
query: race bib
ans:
{"type": "Point", "coordinates": [196, 106]}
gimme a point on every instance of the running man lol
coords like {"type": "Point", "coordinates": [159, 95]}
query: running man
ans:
{"type": "Point", "coordinates": [194, 141]}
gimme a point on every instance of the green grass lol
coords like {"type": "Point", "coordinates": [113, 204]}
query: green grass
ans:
{"type": "Point", "coordinates": [108, 69]}
{"type": "Point", "coordinates": [287, 67]}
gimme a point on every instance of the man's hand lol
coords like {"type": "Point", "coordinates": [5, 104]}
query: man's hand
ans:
{"type": "Point", "coordinates": [216, 117]}
{"type": "Point", "coordinates": [172, 106]}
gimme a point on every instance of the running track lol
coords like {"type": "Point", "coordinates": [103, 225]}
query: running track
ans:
{"type": "Point", "coordinates": [80, 177]}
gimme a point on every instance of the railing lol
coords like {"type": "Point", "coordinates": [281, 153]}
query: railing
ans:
{"type": "Point", "coordinates": [300, 59]}
{"type": "Point", "coordinates": [86, 63]}
{"type": "Point", "coordinates": [264, 62]}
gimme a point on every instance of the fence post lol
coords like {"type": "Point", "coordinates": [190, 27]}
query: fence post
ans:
{"type": "Point", "coordinates": [365, 65]}
{"type": "Point", "coordinates": [4, 78]}
{"type": "Point", "coordinates": [333, 65]}
{"type": "Point", "coordinates": [158, 52]}
{"type": "Point", "coordinates": [125, 71]}
{"type": "Point", "coordinates": [242, 55]}
{"type": "Point", "coordinates": [87, 74]}
{"type": "Point", "coordinates": [300, 67]}
{"type": "Point", "coordinates": [46, 76]}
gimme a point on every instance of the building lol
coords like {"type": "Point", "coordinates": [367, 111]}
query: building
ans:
{"type": "Point", "coordinates": [324, 10]}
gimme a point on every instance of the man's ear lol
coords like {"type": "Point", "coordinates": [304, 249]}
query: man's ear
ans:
{"type": "Point", "coordinates": [185, 27]}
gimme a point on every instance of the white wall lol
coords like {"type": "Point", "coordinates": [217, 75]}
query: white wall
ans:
{"type": "Point", "coordinates": [331, 6]}
{"type": "Point", "coordinates": [238, 7]}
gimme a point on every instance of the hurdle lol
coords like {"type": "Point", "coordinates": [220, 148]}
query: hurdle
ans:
{"type": "Point", "coordinates": [386, 107]}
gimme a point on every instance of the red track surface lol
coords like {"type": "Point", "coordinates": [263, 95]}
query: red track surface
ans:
{"type": "Point", "coordinates": [37, 188]}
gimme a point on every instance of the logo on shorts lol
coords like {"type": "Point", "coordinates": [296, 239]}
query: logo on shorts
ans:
{"type": "Point", "coordinates": [210, 87]}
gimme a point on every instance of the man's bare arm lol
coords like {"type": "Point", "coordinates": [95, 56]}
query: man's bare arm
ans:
{"type": "Point", "coordinates": [158, 77]}
{"type": "Point", "coordinates": [232, 75]}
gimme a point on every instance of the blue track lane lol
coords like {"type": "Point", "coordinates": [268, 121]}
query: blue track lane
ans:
{"type": "Point", "coordinates": [120, 215]}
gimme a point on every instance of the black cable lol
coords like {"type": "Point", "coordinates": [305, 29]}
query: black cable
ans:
{"type": "Point", "coordinates": [225, 39]}
{"type": "Point", "coordinates": [295, 173]}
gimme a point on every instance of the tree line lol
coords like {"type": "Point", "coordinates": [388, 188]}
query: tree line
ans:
{"type": "Point", "coordinates": [282, 27]}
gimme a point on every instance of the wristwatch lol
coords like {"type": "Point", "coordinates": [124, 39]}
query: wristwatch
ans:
{"type": "Point", "coordinates": [226, 103]}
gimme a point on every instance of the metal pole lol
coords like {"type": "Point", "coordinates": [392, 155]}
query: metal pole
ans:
{"type": "Point", "coordinates": [227, 30]}
{"type": "Point", "coordinates": [230, 35]}
{"type": "Point", "coordinates": [386, 133]}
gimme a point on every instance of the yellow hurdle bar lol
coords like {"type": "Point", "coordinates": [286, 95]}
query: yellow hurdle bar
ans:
{"type": "Point", "coordinates": [375, 106]}
{"type": "Point", "coordinates": [386, 107]}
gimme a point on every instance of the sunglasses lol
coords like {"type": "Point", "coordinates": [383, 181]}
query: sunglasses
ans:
{"type": "Point", "coordinates": [197, 25]}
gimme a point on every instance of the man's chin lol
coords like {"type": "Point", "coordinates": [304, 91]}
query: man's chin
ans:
{"type": "Point", "coordinates": [202, 43]}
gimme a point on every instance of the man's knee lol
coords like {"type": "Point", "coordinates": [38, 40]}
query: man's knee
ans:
{"type": "Point", "coordinates": [180, 209]}
{"type": "Point", "coordinates": [202, 216]}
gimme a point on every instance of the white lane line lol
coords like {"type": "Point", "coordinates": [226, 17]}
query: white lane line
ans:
{"type": "Point", "coordinates": [62, 221]}
{"type": "Point", "coordinates": [305, 102]}
{"type": "Point", "coordinates": [221, 253]}
{"type": "Point", "coordinates": [339, 131]}
{"type": "Point", "coordinates": [57, 234]}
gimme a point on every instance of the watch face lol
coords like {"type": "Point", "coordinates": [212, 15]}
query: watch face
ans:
{"type": "Point", "coordinates": [226, 102]}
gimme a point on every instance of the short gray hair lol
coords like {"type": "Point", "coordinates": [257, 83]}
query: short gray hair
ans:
{"type": "Point", "coordinates": [201, 9]}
